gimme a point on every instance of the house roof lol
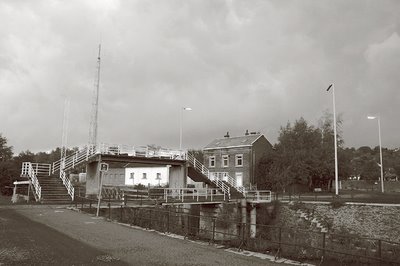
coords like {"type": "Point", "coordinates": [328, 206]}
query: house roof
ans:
{"type": "Point", "coordinates": [231, 142]}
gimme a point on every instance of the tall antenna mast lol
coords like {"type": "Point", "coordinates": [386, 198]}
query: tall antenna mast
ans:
{"type": "Point", "coordinates": [95, 106]}
{"type": "Point", "coordinates": [65, 129]}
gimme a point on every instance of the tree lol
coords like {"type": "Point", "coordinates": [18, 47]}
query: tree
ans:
{"type": "Point", "coordinates": [7, 169]}
{"type": "Point", "coordinates": [5, 150]}
{"type": "Point", "coordinates": [304, 155]}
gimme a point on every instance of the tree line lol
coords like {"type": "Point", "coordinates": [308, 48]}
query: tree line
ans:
{"type": "Point", "coordinates": [304, 155]}
{"type": "Point", "coordinates": [10, 164]}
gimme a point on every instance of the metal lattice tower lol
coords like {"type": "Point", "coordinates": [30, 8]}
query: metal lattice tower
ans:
{"type": "Point", "coordinates": [65, 129]}
{"type": "Point", "coordinates": [95, 105]}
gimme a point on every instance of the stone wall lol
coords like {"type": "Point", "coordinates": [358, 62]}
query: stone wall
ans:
{"type": "Point", "coordinates": [381, 222]}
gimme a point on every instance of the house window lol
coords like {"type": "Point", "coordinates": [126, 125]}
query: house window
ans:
{"type": "Point", "coordinates": [158, 176]}
{"type": "Point", "coordinates": [225, 160]}
{"type": "Point", "coordinates": [144, 176]}
{"type": "Point", "coordinates": [132, 175]}
{"type": "Point", "coordinates": [239, 160]}
{"type": "Point", "coordinates": [211, 161]}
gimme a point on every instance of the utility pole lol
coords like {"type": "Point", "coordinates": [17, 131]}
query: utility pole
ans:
{"type": "Point", "coordinates": [95, 105]}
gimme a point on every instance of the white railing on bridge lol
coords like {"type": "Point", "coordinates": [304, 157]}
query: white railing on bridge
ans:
{"type": "Point", "coordinates": [259, 195]}
{"type": "Point", "coordinates": [29, 171]}
{"type": "Point", "coordinates": [37, 168]}
{"type": "Point", "coordinates": [87, 152]}
{"type": "Point", "coordinates": [216, 177]}
{"type": "Point", "coordinates": [193, 194]}
{"type": "Point", "coordinates": [224, 176]}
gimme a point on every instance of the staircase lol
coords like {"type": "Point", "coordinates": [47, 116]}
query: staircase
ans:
{"type": "Point", "coordinates": [47, 189]}
{"type": "Point", "coordinates": [53, 190]}
{"type": "Point", "coordinates": [198, 172]}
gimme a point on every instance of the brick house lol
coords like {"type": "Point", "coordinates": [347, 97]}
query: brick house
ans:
{"type": "Point", "coordinates": [237, 156]}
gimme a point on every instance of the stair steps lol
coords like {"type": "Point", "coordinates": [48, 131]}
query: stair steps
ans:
{"type": "Point", "coordinates": [53, 190]}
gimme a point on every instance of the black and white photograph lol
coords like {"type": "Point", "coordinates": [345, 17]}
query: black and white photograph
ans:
{"type": "Point", "coordinates": [199, 132]}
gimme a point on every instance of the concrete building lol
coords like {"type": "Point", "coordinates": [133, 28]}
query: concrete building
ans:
{"type": "Point", "coordinates": [237, 156]}
{"type": "Point", "coordinates": [153, 176]}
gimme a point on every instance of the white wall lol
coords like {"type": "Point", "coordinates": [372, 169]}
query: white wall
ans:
{"type": "Point", "coordinates": [151, 176]}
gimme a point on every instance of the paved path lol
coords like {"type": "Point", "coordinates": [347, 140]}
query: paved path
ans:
{"type": "Point", "coordinates": [126, 244]}
{"type": "Point", "coordinates": [24, 242]}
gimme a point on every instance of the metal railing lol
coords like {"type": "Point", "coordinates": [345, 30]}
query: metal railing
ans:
{"type": "Point", "coordinates": [202, 169]}
{"type": "Point", "coordinates": [216, 177]}
{"type": "Point", "coordinates": [29, 171]}
{"type": "Point", "coordinates": [259, 195]}
{"type": "Point", "coordinates": [229, 179]}
{"type": "Point", "coordinates": [68, 184]}
{"type": "Point", "coordinates": [192, 195]}
{"type": "Point", "coordinates": [278, 241]}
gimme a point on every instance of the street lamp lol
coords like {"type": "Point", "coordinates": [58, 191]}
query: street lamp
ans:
{"type": "Point", "coordinates": [335, 136]}
{"type": "Point", "coordinates": [380, 147]}
{"type": "Point", "coordinates": [181, 122]}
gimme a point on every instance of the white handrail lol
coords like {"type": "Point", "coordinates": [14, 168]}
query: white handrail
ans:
{"type": "Point", "coordinates": [29, 171]}
{"type": "Point", "coordinates": [202, 169]}
{"type": "Point", "coordinates": [259, 195]}
{"type": "Point", "coordinates": [195, 194]}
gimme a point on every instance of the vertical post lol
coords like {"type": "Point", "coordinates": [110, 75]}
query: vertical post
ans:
{"type": "Point", "coordinates": [121, 214]}
{"type": "Point", "coordinates": [323, 244]}
{"type": "Point", "coordinates": [335, 137]}
{"type": "Point", "coordinates": [168, 217]}
{"type": "Point", "coordinates": [380, 152]}
{"type": "Point", "coordinates": [109, 209]}
{"type": "Point", "coordinates": [213, 229]}
{"type": "Point", "coordinates": [280, 238]}
{"type": "Point", "coordinates": [151, 211]}
{"type": "Point", "coordinates": [380, 248]}
{"type": "Point", "coordinates": [188, 225]}
{"type": "Point", "coordinates": [99, 195]}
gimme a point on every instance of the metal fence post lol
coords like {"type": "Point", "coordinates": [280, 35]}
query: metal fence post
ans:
{"type": "Point", "coordinates": [380, 248]}
{"type": "Point", "coordinates": [151, 211]}
{"type": "Point", "coordinates": [109, 209]}
{"type": "Point", "coordinates": [168, 217]}
{"type": "Point", "coordinates": [213, 229]}
{"type": "Point", "coordinates": [121, 214]}
{"type": "Point", "coordinates": [280, 238]}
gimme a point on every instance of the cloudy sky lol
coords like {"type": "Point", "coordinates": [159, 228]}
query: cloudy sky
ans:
{"type": "Point", "coordinates": [239, 64]}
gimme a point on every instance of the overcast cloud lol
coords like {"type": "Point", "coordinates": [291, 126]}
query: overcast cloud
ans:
{"type": "Point", "coordinates": [239, 64]}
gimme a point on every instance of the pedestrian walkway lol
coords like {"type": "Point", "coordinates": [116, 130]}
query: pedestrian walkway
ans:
{"type": "Point", "coordinates": [137, 246]}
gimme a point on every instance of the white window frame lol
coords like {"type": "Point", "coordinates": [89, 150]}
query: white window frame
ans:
{"type": "Point", "coordinates": [237, 160]}
{"type": "Point", "coordinates": [211, 159]}
{"type": "Point", "coordinates": [225, 158]}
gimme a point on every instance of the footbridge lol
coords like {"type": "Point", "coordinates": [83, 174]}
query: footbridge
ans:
{"type": "Point", "coordinates": [50, 182]}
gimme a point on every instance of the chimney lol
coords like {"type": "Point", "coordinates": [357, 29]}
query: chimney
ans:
{"type": "Point", "coordinates": [247, 132]}
{"type": "Point", "coordinates": [227, 135]}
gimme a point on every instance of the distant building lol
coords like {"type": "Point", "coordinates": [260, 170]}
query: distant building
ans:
{"type": "Point", "coordinates": [237, 156]}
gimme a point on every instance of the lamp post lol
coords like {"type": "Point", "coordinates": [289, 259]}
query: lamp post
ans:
{"type": "Point", "coordinates": [380, 147]}
{"type": "Point", "coordinates": [335, 136]}
{"type": "Point", "coordinates": [181, 122]}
